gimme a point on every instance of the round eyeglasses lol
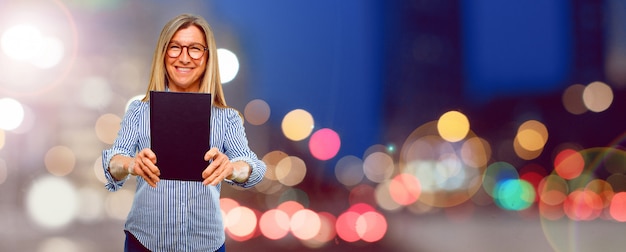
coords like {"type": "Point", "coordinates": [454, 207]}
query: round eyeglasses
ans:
{"type": "Point", "coordinates": [195, 51]}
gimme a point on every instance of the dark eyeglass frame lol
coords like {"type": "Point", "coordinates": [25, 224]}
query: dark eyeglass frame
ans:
{"type": "Point", "coordinates": [170, 52]}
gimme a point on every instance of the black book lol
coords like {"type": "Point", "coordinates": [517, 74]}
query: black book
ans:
{"type": "Point", "coordinates": [180, 133]}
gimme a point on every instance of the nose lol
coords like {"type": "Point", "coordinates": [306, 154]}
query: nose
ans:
{"type": "Point", "coordinates": [184, 56]}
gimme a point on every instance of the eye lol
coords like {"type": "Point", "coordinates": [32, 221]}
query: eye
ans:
{"type": "Point", "coordinates": [174, 46]}
{"type": "Point", "coordinates": [196, 48]}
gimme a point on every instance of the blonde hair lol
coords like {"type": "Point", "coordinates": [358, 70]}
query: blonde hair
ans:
{"type": "Point", "coordinates": [210, 82]}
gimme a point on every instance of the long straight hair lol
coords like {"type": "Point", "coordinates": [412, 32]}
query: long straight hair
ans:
{"type": "Point", "coordinates": [210, 82]}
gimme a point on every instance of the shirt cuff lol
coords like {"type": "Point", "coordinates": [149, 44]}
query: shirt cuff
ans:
{"type": "Point", "coordinates": [113, 185]}
{"type": "Point", "coordinates": [255, 175]}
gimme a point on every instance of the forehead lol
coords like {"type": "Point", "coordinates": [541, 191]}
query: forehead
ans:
{"type": "Point", "coordinates": [191, 34]}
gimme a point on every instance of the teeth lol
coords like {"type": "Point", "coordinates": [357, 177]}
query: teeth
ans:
{"type": "Point", "coordinates": [184, 68]}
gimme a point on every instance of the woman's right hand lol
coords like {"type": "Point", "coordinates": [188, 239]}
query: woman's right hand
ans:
{"type": "Point", "coordinates": [145, 166]}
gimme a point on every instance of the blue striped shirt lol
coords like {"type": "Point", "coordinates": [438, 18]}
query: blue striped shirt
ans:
{"type": "Point", "coordinates": [179, 215]}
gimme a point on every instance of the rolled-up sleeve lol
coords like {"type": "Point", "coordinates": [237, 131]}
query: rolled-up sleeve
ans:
{"type": "Point", "coordinates": [125, 144]}
{"type": "Point", "coordinates": [237, 149]}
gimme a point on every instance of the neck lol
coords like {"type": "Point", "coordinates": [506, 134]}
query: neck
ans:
{"type": "Point", "coordinates": [189, 89]}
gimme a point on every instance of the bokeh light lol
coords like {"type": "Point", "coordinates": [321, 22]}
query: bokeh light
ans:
{"type": "Point", "coordinates": [522, 152]}
{"type": "Point", "coordinates": [257, 112]}
{"type": "Point", "coordinates": [305, 224]}
{"type": "Point", "coordinates": [405, 189]}
{"type": "Point", "coordinates": [229, 65]}
{"type": "Point", "coordinates": [290, 171]}
{"type": "Point", "coordinates": [534, 174]}
{"type": "Point", "coordinates": [573, 99]}
{"type": "Point", "coordinates": [553, 190]}
{"type": "Point", "coordinates": [290, 207]}
{"type": "Point", "coordinates": [530, 139]}
{"type": "Point", "coordinates": [227, 204]}
{"type": "Point", "coordinates": [324, 144]}
{"type": "Point", "coordinates": [22, 42]}
{"type": "Point", "coordinates": [270, 184]}
{"type": "Point", "coordinates": [378, 166]}
{"type": "Point", "coordinates": [383, 197]}
{"type": "Point", "coordinates": [349, 170]}
{"type": "Point", "coordinates": [12, 114]}
{"type": "Point", "coordinates": [107, 127]}
{"type": "Point", "coordinates": [476, 152]}
{"type": "Point", "coordinates": [60, 160]}
{"type": "Point", "coordinates": [421, 147]}
{"type": "Point", "coordinates": [453, 126]}
{"type": "Point", "coordinates": [532, 135]}
{"type": "Point", "coordinates": [346, 226]}
{"type": "Point", "coordinates": [271, 159]}
{"type": "Point", "coordinates": [569, 164]}
{"type": "Point", "coordinates": [98, 170]}
{"type": "Point", "coordinates": [35, 48]}
{"type": "Point", "coordinates": [52, 202]}
{"type": "Point", "coordinates": [25, 42]}
{"type": "Point", "coordinates": [326, 231]}
{"type": "Point", "coordinates": [297, 124]}
{"type": "Point", "coordinates": [582, 205]}
{"type": "Point", "coordinates": [603, 189]}
{"type": "Point", "coordinates": [274, 224]}
{"type": "Point", "coordinates": [371, 226]}
{"type": "Point", "coordinates": [241, 222]}
{"type": "Point", "coordinates": [445, 179]}
{"type": "Point", "coordinates": [514, 194]}
{"type": "Point", "coordinates": [51, 53]}
{"type": "Point", "coordinates": [617, 208]}
{"type": "Point", "coordinates": [41, 45]}
{"type": "Point", "coordinates": [361, 222]}
{"type": "Point", "coordinates": [497, 173]}
{"type": "Point", "coordinates": [598, 96]}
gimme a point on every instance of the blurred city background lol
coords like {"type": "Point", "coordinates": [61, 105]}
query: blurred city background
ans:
{"type": "Point", "coordinates": [411, 125]}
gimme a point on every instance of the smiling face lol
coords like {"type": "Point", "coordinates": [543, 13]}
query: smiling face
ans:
{"type": "Point", "coordinates": [184, 73]}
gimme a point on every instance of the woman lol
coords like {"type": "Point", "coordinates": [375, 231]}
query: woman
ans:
{"type": "Point", "coordinates": [172, 215]}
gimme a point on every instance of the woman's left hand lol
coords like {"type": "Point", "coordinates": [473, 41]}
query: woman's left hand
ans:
{"type": "Point", "coordinates": [218, 169]}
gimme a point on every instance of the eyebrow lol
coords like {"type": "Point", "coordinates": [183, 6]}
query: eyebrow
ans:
{"type": "Point", "coordinates": [192, 43]}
